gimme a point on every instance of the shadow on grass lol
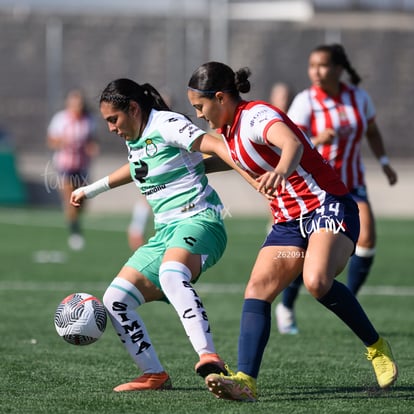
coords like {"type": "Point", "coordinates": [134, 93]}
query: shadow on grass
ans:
{"type": "Point", "coordinates": [341, 393]}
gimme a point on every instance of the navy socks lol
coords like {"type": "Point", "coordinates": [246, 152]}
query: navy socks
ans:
{"type": "Point", "coordinates": [290, 294]}
{"type": "Point", "coordinates": [255, 325]}
{"type": "Point", "coordinates": [358, 270]}
{"type": "Point", "coordinates": [344, 304]}
{"type": "Point", "coordinates": [254, 333]}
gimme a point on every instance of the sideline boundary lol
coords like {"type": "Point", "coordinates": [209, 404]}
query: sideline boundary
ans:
{"type": "Point", "coordinates": [216, 288]}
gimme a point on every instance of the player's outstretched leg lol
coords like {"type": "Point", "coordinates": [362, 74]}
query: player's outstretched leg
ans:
{"type": "Point", "coordinates": [120, 299]}
{"type": "Point", "coordinates": [344, 304]}
{"type": "Point", "coordinates": [175, 280]}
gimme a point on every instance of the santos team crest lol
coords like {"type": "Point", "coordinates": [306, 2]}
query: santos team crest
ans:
{"type": "Point", "coordinates": [151, 148]}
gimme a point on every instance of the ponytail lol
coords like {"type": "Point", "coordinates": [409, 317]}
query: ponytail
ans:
{"type": "Point", "coordinates": [339, 57]}
{"type": "Point", "coordinates": [212, 77]}
{"type": "Point", "coordinates": [155, 97]}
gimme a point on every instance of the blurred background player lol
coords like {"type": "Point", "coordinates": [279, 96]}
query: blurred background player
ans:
{"type": "Point", "coordinates": [280, 96]}
{"type": "Point", "coordinates": [337, 116]}
{"type": "Point", "coordinates": [71, 135]}
{"type": "Point", "coordinates": [138, 224]}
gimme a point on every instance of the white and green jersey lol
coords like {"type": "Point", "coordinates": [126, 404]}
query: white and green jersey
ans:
{"type": "Point", "coordinates": [168, 174]}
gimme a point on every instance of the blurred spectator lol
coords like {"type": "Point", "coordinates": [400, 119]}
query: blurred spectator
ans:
{"type": "Point", "coordinates": [71, 135]}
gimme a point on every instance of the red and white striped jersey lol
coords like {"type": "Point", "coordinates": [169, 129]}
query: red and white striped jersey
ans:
{"type": "Point", "coordinates": [348, 115]}
{"type": "Point", "coordinates": [76, 134]}
{"type": "Point", "coordinates": [306, 187]}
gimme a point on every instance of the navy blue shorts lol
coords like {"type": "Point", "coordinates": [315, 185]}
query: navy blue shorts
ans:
{"type": "Point", "coordinates": [337, 214]}
{"type": "Point", "coordinates": [359, 194]}
{"type": "Point", "coordinates": [76, 178]}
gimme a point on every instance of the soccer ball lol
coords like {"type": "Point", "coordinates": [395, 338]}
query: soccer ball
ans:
{"type": "Point", "coordinates": [80, 319]}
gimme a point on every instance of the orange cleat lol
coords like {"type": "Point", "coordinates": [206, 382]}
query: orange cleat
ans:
{"type": "Point", "coordinates": [210, 364]}
{"type": "Point", "coordinates": [160, 381]}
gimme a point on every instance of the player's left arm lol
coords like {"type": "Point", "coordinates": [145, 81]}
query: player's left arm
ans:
{"type": "Point", "coordinates": [376, 144]}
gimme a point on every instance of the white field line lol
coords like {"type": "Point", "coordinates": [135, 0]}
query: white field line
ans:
{"type": "Point", "coordinates": [44, 223]}
{"type": "Point", "coordinates": [202, 288]}
{"type": "Point", "coordinates": [109, 227]}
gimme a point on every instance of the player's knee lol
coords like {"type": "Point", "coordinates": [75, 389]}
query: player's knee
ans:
{"type": "Point", "coordinates": [111, 298]}
{"type": "Point", "coordinates": [121, 295]}
{"type": "Point", "coordinates": [316, 285]}
{"type": "Point", "coordinates": [171, 273]}
{"type": "Point", "coordinates": [263, 288]}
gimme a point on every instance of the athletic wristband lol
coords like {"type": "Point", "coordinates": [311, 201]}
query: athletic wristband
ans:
{"type": "Point", "coordinates": [384, 160]}
{"type": "Point", "coordinates": [95, 188]}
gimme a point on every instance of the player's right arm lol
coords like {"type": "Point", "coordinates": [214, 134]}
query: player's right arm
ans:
{"type": "Point", "coordinates": [119, 177]}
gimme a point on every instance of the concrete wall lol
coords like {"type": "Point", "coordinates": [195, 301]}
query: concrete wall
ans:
{"type": "Point", "coordinates": [164, 52]}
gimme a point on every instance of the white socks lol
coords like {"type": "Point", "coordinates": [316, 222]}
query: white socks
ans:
{"type": "Point", "coordinates": [365, 251]}
{"type": "Point", "coordinates": [175, 282]}
{"type": "Point", "coordinates": [120, 300]}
